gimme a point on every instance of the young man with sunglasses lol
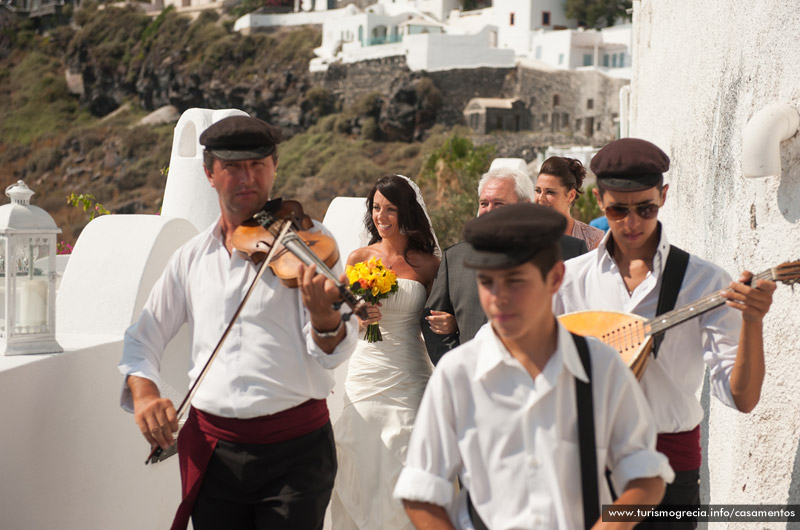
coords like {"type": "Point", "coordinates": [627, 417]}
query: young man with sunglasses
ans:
{"type": "Point", "coordinates": [625, 273]}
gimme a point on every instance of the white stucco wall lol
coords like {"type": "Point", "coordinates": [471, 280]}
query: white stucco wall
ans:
{"type": "Point", "coordinates": [72, 458]}
{"type": "Point", "coordinates": [552, 48]}
{"type": "Point", "coordinates": [254, 20]}
{"type": "Point", "coordinates": [432, 52]}
{"type": "Point", "coordinates": [112, 268]}
{"type": "Point", "coordinates": [699, 74]}
{"type": "Point", "coordinates": [188, 194]}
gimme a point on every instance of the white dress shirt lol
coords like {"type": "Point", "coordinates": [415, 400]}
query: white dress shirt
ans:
{"type": "Point", "coordinates": [269, 361]}
{"type": "Point", "coordinates": [671, 380]}
{"type": "Point", "coordinates": [513, 439]}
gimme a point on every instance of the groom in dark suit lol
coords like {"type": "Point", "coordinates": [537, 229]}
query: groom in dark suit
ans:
{"type": "Point", "coordinates": [453, 312]}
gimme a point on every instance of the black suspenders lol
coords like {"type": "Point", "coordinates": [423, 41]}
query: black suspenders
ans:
{"type": "Point", "coordinates": [671, 280]}
{"type": "Point", "coordinates": [586, 439]}
{"type": "Point", "coordinates": [586, 445]}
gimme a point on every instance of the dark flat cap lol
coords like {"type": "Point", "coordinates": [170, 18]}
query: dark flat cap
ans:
{"type": "Point", "coordinates": [240, 138]}
{"type": "Point", "coordinates": [629, 164]}
{"type": "Point", "coordinates": [511, 235]}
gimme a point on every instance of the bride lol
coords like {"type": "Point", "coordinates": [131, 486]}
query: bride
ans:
{"type": "Point", "coordinates": [386, 379]}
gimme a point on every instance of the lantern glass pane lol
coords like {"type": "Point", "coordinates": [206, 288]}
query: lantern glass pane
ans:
{"type": "Point", "coordinates": [31, 256]}
{"type": "Point", "coordinates": [3, 285]}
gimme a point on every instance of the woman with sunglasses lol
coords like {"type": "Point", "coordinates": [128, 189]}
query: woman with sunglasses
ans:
{"type": "Point", "coordinates": [558, 186]}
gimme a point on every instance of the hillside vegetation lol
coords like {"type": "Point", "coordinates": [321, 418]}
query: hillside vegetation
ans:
{"type": "Point", "coordinates": [64, 141]}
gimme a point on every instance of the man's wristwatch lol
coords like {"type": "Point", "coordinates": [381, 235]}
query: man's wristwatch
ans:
{"type": "Point", "coordinates": [328, 334]}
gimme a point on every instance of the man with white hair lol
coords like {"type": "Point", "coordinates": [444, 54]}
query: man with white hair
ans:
{"type": "Point", "coordinates": [453, 312]}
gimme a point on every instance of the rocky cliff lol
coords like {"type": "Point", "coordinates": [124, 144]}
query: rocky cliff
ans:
{"type": "Point", "coordinates": [75, 96]}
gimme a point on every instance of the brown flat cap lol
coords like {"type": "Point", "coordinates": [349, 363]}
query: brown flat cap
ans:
{"type": "Point", "coordinates": [629, 164]}
{"type": "Point", "coordinates": [511, 235]}
{"type": "Point", "coordinates": [240, 138]}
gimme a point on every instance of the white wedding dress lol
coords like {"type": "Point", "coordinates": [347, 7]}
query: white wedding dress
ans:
{"type": "Point", "coordinates": [383, 389]}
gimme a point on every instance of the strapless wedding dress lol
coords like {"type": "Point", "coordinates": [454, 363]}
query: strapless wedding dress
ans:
{"type": "Point", "coordinates": [383, 389]}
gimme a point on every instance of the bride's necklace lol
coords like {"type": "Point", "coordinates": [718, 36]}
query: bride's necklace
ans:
{"type": "Point", "coordinates": [398, 258]}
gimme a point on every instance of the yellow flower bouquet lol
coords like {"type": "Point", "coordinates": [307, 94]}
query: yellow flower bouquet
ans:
{"type": "Point", "coordinates": [373, 282]}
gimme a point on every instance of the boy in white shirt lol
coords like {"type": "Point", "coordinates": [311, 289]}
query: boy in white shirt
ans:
{"type": "Point", "coordinates": [499, 412]}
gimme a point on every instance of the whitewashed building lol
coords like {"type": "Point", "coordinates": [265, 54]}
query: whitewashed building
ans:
{"type": "Point", "coordinates": [699, 108]}
{"type": "Point", "coordinates": [402, 29]}
{"type": "Point", "coordinates": [607, 50]}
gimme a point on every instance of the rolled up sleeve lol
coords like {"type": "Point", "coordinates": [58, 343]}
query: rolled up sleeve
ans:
{"type": "Point", "coordinates": [162, 316]}
{"type": "Point", "coordinates": [645, 463]}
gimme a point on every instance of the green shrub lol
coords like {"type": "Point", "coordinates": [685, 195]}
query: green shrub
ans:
{"type": "Point", "coordinates": [295, 47]}
{"type": "Point", "coordinates": [369, 105]}
{"type": "Point", "coordinates": [428, 94]}
{"type": "Point", "coordinates": [369, 129]}
{"type": "Point", "coordinates": [453, 170]}
{"type": "Point", "coordinates": [321, 100]}
{"type": "Point", "coordinates": [585, 208]}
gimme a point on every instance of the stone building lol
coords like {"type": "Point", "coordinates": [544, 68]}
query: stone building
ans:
{"type": "Point", "coordinates": [485, 115]}
{"type": "Point", "coordinates": [581, 105]}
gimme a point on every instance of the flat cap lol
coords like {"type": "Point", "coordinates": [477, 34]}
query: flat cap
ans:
{"type": "Point", "coordinates": [629, 164]}
{"type": "Point", "coordinates": [240, 138]}
{"type": "Point", "coordinates": [511, 235]}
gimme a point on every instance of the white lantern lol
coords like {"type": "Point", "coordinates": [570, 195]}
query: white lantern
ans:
{"type": "Point", "coordinates": [27, 275]}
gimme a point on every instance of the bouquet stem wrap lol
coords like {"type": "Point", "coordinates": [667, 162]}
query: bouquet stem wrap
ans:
{"type": "Point", "coordinates": [373, 333]}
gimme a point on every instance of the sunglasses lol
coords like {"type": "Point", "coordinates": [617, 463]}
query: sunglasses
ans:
{"type": "Point", "coordinates": [645, 211]}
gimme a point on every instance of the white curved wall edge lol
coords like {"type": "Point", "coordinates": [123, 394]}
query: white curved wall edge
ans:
{"type": "Point", "coordinates": [345, 219]}
{"type": "Point", "coordinates": [187, 193]}
{"type": "Point", "coordinates": [113, 266]}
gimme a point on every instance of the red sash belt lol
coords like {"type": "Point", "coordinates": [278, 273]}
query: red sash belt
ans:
{"type": "Point", "coordinates": [199, 435]}
{"type": "Point", "coordinates": [681, 448]}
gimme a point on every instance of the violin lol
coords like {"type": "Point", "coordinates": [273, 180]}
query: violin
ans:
{"type": "Point", "coordinates": [254, 238]}
{"type": "Point", "coordinates": [276, 236]}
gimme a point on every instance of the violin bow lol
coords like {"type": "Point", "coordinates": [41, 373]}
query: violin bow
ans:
{"type": "Point", "coordinates": [157, 454]}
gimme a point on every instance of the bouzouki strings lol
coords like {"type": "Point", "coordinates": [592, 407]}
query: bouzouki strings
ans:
{"type": "Point", "coordinates": [631, 333]}
{"type": "Point", "coordinates": [636, 332]}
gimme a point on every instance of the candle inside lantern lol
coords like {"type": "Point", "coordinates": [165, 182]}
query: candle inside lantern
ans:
{"type": "Point", "coordinates": [32, 302]}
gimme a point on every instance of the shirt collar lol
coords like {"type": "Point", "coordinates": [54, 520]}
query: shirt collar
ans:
{"type": "Point", "coordinates": [660, 259]}
{"type": "Point", "coordinates": [216, 230]}
{"type": "Point", "coordinates": [496, 353]}
{"type": "Point", "coordinates": [603, 256]}
{"type": "Point", "coordinates": [492, 355]}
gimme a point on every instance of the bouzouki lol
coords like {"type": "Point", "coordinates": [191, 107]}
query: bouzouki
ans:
{"type": "Point", "coordinates": [632, 335]}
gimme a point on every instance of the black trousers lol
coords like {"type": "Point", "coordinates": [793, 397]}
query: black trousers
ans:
{"type": "Point", "coordinates": [278, 486]}
{"type": "Point", "coordinates": [684, 490]}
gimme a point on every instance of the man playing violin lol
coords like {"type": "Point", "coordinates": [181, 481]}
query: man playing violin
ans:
{"type": "Point", "coordinates": [625, 273]}
{"type": "Point", "coordinates": [257, 449]}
